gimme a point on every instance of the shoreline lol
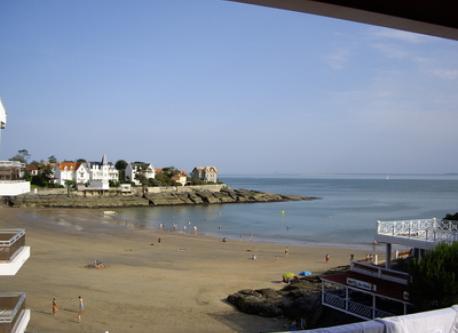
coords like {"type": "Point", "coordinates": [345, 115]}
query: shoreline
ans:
{"type": "Point", "coordinates": [176, 285]}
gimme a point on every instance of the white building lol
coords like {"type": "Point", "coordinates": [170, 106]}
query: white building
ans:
{"type": "Point", "coordinates": [11, 173]}
{"type": "Point", "coordinates": [65, 171]}
{"type": "Point", "coordinates": [181, 178]}
{"type": "Point", "coordinates": [138, 169]}
{"type": "Point", "coordinates": [14, 317]}
{"type": "Point", "coordinates": [96, 174]}
{"type": "Point", "coordinates": [82, 174]}
{"type": "Point", "coordinates": [2, 116]}
{"type": "Point", "coordinates": [103, 170]}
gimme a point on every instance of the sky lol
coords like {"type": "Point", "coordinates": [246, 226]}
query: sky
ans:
{"type": "Point", "coordinates": [249, 89]}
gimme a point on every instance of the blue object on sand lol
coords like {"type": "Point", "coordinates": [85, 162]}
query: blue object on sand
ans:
{"type": "Point", "coordinates": [304, 273]}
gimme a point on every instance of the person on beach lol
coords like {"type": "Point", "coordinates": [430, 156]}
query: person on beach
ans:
{"type": "Point", "coordinates": [326, 258]}
{"type": "Point", "coordinates": [55, 308]}
{"type": "Point", "coordinates": [286, 251]}
{"type": "Point", "coordinates": [352, 257]}
{"type": "Point", "coordinates": [80, 308]}
{"type": "Point", "coordinates": [159, 240]}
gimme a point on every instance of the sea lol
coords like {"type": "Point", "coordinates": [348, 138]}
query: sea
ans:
{"type": "Point", "coordinates": [346, 213]}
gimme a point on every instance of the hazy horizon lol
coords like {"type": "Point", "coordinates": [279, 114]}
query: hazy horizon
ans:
{"type": "Point", "coordinates": [249, 89]}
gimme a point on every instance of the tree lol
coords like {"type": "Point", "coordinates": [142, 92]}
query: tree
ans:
{"type": "Point", "coordinates": [121, 165]}
{"type": "Point", "coordinates": [81, 160]}
{"type": "Point", "coordinates": [434, 278]}
{"type": "Point", "coordinates": [21, 156]}
{"type": "Point", "coordinates": [52, 159]}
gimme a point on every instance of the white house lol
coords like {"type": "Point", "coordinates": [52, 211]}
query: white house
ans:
{"type": "Point", "coordinates": [82, 174]}
{"type": "Point", "coordinates": [136, 169]}
{"type": "Point", "coordinates": [94, 173]}
{"type": "Point", "coordinates": [103, 170]}
{"type": "Point", "coordinates": [181, 178]}
{"type": "Point", "coordinates": [207, 174]}
{"type": "Point", "coordinates": [65, 171]}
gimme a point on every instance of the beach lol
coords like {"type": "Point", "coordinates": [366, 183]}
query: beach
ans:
{"type": "Point", "coordinates": [177, 285]}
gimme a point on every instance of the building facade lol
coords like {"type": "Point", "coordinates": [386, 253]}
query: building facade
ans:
{"type": "Point", "coordinates": [86, 173]}
{"type": "Point", "coordinates": [136, 170]}
{"type": "Point", "coordinates": [207, 174]}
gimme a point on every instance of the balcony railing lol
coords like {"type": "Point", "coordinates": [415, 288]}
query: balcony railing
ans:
{"type": "Point", "coordinates": [430, 230]}
{"type": "Point", "coordinates": [380, 272]}
{"type": "Point", "coordinates": [12, 307]}
{"type": "Point", "coordinates": [11, 241]}
{"type": "Point", "coordinates": [357, 309]}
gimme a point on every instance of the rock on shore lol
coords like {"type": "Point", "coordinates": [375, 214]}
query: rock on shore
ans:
{"type": "Point", "coordinates": [73, 201]}
{"type": "Point", "coordinates": [195, 197]}
{"type": "Point", "coordinates": [299, 300]}
{"type": "Point", "coordinates": [226, 195]}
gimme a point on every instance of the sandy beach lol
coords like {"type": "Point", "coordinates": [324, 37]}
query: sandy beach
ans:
{"type": "Point", "coordinates": [177, 285]}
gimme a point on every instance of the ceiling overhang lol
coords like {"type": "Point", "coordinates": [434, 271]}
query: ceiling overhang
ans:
{"type": "Point", "coordinates": [435, 18]}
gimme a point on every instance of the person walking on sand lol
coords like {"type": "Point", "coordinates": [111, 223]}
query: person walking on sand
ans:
{"type": "Point", "coordinates": [80, 308]}
{"type": "Point", "coordinates": [286, 251]}
{"type": "Point", "coordinates": [55, 308]}
{"type": "Point", "coordinates": [326, 258]}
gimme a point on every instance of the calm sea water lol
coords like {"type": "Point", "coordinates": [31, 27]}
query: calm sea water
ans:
{"type": "Point", "coordinates": [346, 213]}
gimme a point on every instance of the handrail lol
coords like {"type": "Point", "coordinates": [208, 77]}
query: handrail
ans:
{"type": "Point", "coordinates": [431, 230]}
{"type": "Point", "coordinates": [9, 317]}
{"type": "Point", "coordinates": [18, 233]}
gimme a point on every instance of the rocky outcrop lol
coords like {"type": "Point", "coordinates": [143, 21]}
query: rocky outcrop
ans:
{"type": "Point", "coordinates": [113, 200]}
{"type": "Point", "coordinates": [65, 201]}
{"type": "Point", "coordinates": [299, 300]}
{"type": "Point", "coordinates": [293, 301]}
{"type": "Point", "coordinates": [226, 195]}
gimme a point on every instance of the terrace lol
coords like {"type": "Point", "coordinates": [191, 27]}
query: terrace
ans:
{"type": "Point", "coordinates": [13, 251]}
{"type": "Point", "coordinates": [421, 234]}
{"type": "Point", "coordinates": [14, 317]}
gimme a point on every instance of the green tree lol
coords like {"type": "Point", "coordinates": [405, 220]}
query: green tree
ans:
{"type": "Point", "coordinates": [434, 278]}
{"type": "Point", "coordinates": [81, 160]}
{"type": "Point", "coordinates": [121, 165]}
{"type": "Point", "coordinates": [52, 159]}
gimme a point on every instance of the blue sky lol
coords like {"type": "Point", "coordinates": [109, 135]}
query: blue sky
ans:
{"type": "Point", "coordinates": [252, 90]}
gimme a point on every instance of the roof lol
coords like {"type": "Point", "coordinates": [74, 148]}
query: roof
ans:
{"type": "Point", "coordinates": [68, 165]}
{"type": "Point", "coordinates": [384, 288]}
{"type": "Point", "coordinates": [436, 18]}
{"type": "Point", "coordinates": [206, 168]}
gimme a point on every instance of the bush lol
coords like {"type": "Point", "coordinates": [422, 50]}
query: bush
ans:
{"type": "Point", "coordinates": [434, 279]}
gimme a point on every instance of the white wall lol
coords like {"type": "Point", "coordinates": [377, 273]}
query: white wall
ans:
{"type": "Point", "coordinates": [12, 188]}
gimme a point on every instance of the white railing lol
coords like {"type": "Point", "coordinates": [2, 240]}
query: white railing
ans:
{"type": "Point", "coordinates": [18, 233]}
{"type": "Point", "coordinates": [431, 230]}
{"type": "Point", "coordinates": [8, 316]}
{"type": "Point", "coordinates": [380, 272]}
{"type": "Point", "coordinates": [355, 308]}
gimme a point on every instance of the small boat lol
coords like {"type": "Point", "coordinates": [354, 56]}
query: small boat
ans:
{"type": "Point", "coordinates": [109, 212]}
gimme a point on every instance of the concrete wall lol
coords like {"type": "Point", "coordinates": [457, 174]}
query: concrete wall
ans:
{"type": "Point", "coordinates": [49, 191]}
{"type": "Point", "coordinates": [13, 188]}
{"type": "Point", "coordinates": [182, 189]}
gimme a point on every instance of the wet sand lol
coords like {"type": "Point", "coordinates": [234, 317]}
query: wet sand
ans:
{"type": "Point", "coordinates": [178, 285]}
